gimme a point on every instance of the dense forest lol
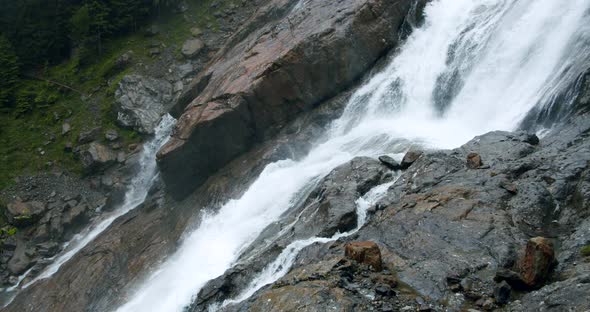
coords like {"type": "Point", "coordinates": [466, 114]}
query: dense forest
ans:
{"type": "Point", "coordinates": [37, 33]}
{"type": "Point", "coordinates": [59, 68]}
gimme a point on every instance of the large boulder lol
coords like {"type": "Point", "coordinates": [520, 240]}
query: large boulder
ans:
{"type": "Point", "coordinates": [97, 156]}
{"type": "Point", "coordinates": [366, 253]}
{"type": "Point", "coordinates": [141, 101]}
{"type": "Point", "coordinates": [20, 261]}
{"type": "Point", "coordinates": [192, 47]}
{"type": "Point", "coordinates": [332, 207]}
{"type": "Point", "coordinates": [409, 158]}
{"type": "Point", "coordinates": [276, 70]}
{"type": "Point", "coordinates": [538, 260]}
{"type": "Point", "coordinates": [194, 155]}
{"type": "Point", "coordinates": [21, 213]}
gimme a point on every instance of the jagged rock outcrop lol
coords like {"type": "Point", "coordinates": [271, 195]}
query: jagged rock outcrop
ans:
{"type": "Point", "coordinates": [331, 207]}
{"type": "Point", "coordinates": [110, 266]}
{"type": "Point", "coordinates": [96, 156]}
{"type": "Point", "coordinates": [21, 213]}
{"type": "Point", "coordinates": [298, 57]}
{"type": "Point", "coordinates": [443, 231]}
{"type": "Point", "coordinates": [44, 211]}
{"type": "Point", "coordinates": [192, 47]}
{"type": "Point", "coordinates": [461, 237]}
{"type": "Point", "coordinates": [141, 102]}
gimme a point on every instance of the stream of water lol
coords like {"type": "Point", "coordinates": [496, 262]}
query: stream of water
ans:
{"type": "Point", "coordinates": [134, 196]}
{"type": "Point", "coordinates": [474, 66]}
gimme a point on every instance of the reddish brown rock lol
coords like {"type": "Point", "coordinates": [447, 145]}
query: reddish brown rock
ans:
{"type": "Point", "coordinates": [276, 69]}
{"type": "Point", "coordinates": [474, 161]}
{"type": "Point", "coordinates": [537, 262]}
{"type": "Point", "coordinates": [364, 252]}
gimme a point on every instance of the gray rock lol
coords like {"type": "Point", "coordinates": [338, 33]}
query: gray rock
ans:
{"type": "Point", "coordinates": [502, 293]}
{"type": "Point", "coordinates": [567, 295]}
{"type": "Point", "coordinates": [65, 128]}
{"type": "Point", "coordinates": [192, 47]}
{"type": "Point", "coordinates": [74, 217]}
{"type": "Point", "coordinates": [184, 70]}
{"type": "Point", "coordinates": [331, 207]}
{"type": "Point", "coordinates": [89, 135]}
{"type": "Point", "coordinates": [389, 162]}
{"type": "Point", "coordinates": [111, 135]}
{"type": "Point", "coordinates": [47, 249]}
{"type": "Point", "coordinates": [9, 243]}
{"type": "Point", "coordinates": [409, 158]}
{"type": "Point", "coordinates": [97, 156]}
{"type": "Point", "coordinates": [141, 101]}
{"type": "Point", "coordinates": [20, 261]}
{"type": "Point", "coordinates": [178, 87]}
{"type": "Point", "coordinates": [23, 214]}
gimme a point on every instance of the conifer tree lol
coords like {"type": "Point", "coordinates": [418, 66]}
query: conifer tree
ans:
{"type": "Point", "coordinates": [8, 71]}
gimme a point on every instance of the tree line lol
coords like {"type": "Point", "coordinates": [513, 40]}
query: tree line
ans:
{"type": "Point", "coordinates": [35, 33]}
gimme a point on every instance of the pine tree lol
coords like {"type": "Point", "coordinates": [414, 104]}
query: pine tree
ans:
{"type": "Point", "coordinates": [8, 71]}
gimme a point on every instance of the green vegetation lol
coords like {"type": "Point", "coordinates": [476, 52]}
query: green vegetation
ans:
{"type": "Point", "coordinates": [9, 71]}
{"type": "Point", "coordinates": [585, 251]}
{"type": "Point", "coordinates": [43, 84]}
{"type": "Point", "coordinates": [3, 220]}
{"type": "Point", "coordinates": [5, 232]}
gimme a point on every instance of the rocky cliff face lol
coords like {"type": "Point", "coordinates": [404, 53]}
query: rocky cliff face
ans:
{"type": "Point", "coordinates": [508, 232]}
{"type": "Point", "coordinates": [287, 60]}
{"type": "Point", "coordinates": [500, 223]}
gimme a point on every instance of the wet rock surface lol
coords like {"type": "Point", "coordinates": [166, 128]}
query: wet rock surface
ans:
{"type": "Point", "coordinates": [323, 279]}
{"type": "Point", "coordinates": [444, 232]}
{"type": "Point", "coordinates": [454, 237]}
{"type": "Point", "coordinates": [119, 258]}
{"type": "Point", "coordinates": [141, 101]}
{"type": "Point", "coordinates": [293, 60]}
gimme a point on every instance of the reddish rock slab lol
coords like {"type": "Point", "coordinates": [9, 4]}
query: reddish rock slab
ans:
{"type": "Point", "coordinates": [538, 260]}
{"type": "Point", "coordinates": [366, 253]}
{"type": "Point", "coordinates": [284, 62]}
{"type": "Point", "coordinates": [474, 161]}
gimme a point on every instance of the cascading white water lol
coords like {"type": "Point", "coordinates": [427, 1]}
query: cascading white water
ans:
{"type": "Point", "coordinates": [285, 260]}
{"type": "Point", "coordinates": [135, 195]}
{"type": "Point", "coordinates": [474, 66]}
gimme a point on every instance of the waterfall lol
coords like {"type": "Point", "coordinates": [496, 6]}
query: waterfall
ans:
{"type": "Point", "coordinates": [474, 66]}
{"type": "Point", "coordinates": [281, 265]}
{"type": "Point", "coordinates": [134, 196]}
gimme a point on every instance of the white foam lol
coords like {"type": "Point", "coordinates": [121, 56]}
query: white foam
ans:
{"type": "Point", "coordinates": [510, 56]}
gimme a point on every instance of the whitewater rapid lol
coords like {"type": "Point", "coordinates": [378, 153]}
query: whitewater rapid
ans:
{"type": "Point", "coordinates": [135, 195]}
{"type": "Point", "coordinates": [474, 66]}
